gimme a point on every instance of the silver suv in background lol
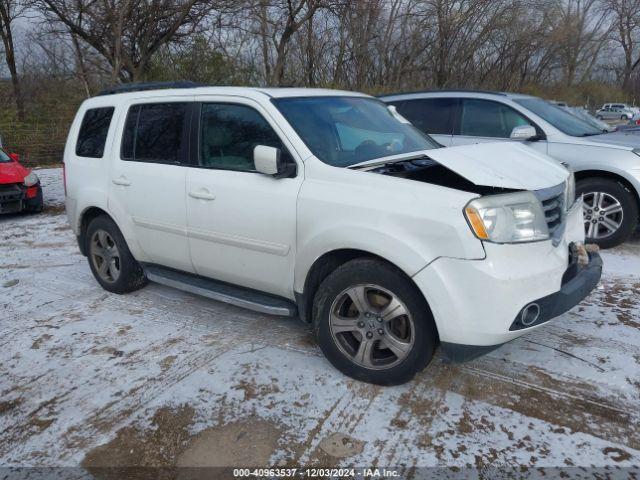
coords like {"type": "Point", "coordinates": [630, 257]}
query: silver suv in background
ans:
{"type": "Point", "coordinates": [614, 113]}
{"type": "Point", "coordinates": [607, 165]}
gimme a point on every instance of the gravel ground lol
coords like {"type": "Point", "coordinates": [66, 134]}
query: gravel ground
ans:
{"type": "Point", "coordinates": [163, 378]}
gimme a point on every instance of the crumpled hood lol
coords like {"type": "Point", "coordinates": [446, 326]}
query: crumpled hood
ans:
{"type": "Point", "coordinates": [12, 172]}
{"type": "Point", "coordinates": [501, 164]}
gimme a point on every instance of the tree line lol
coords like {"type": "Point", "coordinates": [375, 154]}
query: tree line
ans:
{"type": "Point", "coordinates": [584, 50]}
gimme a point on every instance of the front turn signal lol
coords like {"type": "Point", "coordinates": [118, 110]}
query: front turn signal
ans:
{"type": "Point", "coordinates": [476, 223]}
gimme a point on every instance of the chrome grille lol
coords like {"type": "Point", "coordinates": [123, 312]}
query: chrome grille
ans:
{"type": "Point", "coordinates": [553, 208]}
{"type": "Point", "coordinates": [552, 200]}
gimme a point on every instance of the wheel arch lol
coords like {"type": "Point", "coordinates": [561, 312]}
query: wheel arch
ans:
{"type": "Point", "coordinates": [324, 265]}
{"type": "Point", "coordinates": [584, 174]}
{"type": "Point", "coordinates": [87, 215]}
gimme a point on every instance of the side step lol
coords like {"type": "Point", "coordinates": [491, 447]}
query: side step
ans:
{"type": "Point", "coordinates": [221, 291]}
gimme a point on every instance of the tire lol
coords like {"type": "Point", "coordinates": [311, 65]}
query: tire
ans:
{"type": "Point", "coordinates": [599, 117]}
{"type": "Point", "coordinates": [624, 117]}
{"type": "Point", "coordinates": [605, 192]}
{"type": "Point", "coordinates": [121, 272]}
{"type": "Point", "coordinates": [413, 335]}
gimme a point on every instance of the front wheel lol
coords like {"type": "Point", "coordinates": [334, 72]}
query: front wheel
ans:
{"type": "Point", "coordinates": [373, 324]}
{"type": "Point", "coordinates": [610, 211]}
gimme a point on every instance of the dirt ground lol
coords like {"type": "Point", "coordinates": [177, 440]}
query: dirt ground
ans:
{"type": "Point", "coordinates": [163, 378]}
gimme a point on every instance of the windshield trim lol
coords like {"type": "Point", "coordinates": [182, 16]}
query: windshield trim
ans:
{"type": "Point", "coordinates": [274, 101]}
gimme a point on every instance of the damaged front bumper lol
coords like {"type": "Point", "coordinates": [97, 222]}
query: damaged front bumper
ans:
{"type": "Point", "coordinates": [479, 305]}
{"type": "Point", "coordinates": [577, 284]}
{"type": "Point", "coordinates": [16, 198]}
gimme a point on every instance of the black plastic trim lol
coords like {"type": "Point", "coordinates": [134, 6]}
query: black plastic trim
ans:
{"type": "Point", "coordinates": [457, 352]}
{"type": "Point", "coordinates": [222, 291]}
{"type": "Point", "coordinates": [143, 86]}
{"type": "Point", "coordinates": [577, 284]}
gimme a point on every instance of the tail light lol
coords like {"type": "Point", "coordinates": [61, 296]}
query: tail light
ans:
{"type": "Point", "coordinates": [638, 122]}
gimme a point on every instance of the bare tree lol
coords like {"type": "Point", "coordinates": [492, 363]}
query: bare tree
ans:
{"type": "Point", "coordinates": [127, 33]}
{"type": "Point", "coordinates": [10, 10]}
{"type": "Point", "coordinates": [625, 18]}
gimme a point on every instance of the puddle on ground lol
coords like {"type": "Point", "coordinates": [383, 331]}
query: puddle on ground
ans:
{"type": "Point", "coordinates": [168, 443]}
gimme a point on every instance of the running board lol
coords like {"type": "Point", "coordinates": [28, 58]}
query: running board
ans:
{"type": "Point", "coordinates": [221, 291]}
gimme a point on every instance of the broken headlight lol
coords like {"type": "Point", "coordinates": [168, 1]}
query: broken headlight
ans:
{"type": "Point", "coordinates": [508, 218]}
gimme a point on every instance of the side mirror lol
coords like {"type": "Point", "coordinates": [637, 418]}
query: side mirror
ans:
{"type": "Point", "coordinates": [15, 157]}
{"type": "Point", "coordinates": [268, 160]}
{"type": "Point", "coordinates": [523, 132]}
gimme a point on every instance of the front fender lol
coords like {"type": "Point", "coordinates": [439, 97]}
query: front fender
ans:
{"type": "Point", "coordinates": [400, 253]}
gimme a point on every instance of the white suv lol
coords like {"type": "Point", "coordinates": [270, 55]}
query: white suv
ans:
{"type": "Point", "coordinates": [606, 165]}
{"type": "Point", "coordinates": [330, 206]}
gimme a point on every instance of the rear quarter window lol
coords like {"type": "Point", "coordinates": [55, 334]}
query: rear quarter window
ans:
{"type": "Point", "coordinates": [93, 132]}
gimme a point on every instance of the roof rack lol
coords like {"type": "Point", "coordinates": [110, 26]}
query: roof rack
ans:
{"type": "Point", "coordinates": [141, 86]}
{"type": "Point", "coordinates": [444, 90]}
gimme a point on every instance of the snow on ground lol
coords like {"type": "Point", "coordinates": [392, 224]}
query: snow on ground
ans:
{"type": "Point", "coordinates": [161, 377]}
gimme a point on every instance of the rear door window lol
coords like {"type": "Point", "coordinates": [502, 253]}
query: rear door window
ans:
{"type": "Point", "coordinates": [156, 133]}
{"type": "Point", "coordinates": [431, 115]}
{"type": "Point", "coordinates": [93, 132]}
{"type": "Point", "coordinates": [486, 118]}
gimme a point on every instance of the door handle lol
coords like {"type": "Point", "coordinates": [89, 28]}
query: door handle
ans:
{"type": "Point", "coordinates": [203, 194]}
{"type": "Point", "coordinates": [122, 180]}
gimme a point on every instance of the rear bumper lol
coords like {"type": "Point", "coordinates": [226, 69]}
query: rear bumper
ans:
{"type": "Point", "coordinates": [576, 287]}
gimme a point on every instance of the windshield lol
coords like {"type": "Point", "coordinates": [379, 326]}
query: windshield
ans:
{"type": "Point", "coordinates": [590, 119]}
{"type": "Point", "coordinates": [343, 131]}
{"type": "Point", "coordinates": [4, 158]}
{"type": "Point", "coordinates": [559, 118]}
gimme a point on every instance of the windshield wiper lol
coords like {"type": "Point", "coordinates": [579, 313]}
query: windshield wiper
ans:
{"type": "Point", "coordinates": [377, 162]}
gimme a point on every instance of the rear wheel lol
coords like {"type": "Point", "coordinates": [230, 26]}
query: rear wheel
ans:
{"type": "Point", "coordinates": [110, 260]}
{"type": "Point", "coordinates": [373, 324]}
{"type": "Point", "coordinates": [610, 211]}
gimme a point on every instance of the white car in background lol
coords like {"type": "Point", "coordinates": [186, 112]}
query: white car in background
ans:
{"type": "Point", "coordinates": [329, 206]}
{"type": "Point", "coordinates": [606, 165]}
{"type": "Point", "coordinates": [621, 106]}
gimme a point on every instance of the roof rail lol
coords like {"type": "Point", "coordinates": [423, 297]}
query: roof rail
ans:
{"type": "Point", "coordinates": [141, 86]}
{"type": "Point", "coordinates": [444, 90]}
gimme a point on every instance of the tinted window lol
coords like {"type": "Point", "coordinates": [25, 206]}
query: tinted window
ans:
{"type": "Point", "coordinates": [93, 132]}
{"type": "Point", "coordinates": [484, 118]}
{"type": "Point", "coordinates": [229, 133]}
{"type": "Point", "coordinates": [155, 133]}
{"type": "Point", "coordinates": [431, 115]}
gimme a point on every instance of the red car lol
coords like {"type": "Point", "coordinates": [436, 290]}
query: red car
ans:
{"type": "Point", "coordinates": [20, 188]}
